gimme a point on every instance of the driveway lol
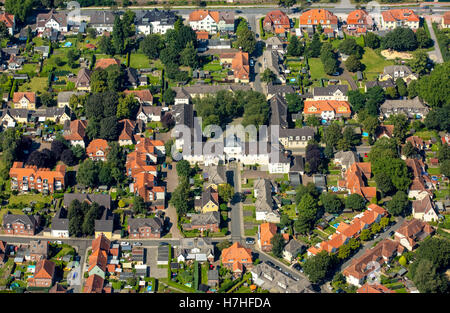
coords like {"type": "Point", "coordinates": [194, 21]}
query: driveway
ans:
{"type": "Point", "coordinates": [435, 55]}
{"type": "Point", "coordinates": [155, 271]}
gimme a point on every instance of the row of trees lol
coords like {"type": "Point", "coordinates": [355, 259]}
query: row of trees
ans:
{"type": "Point", "coordinates": [82, 218]}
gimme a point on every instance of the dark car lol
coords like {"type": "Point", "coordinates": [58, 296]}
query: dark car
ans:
{"type": "Point", "coordinates": [391, 233]}
{"type": "Point", "coordinates": [249, 241]}
{"type": "Point", "coordinates": [163, 244]}
{"type": "Point", "coordinates": [297, 267]}
{"type": "Point", "coordinates": [270, 264]}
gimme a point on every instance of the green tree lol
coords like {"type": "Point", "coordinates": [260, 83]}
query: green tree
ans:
{"type": "Point", "coordinates": [189, 56]}
{"type": "Point", "coordinates": [183, 168]}
{"type": "Point", "coordinates": [399, 204]}
{"type": "Point", "coordinates": [313, 50]}
{"type": "Point", "coordinates": [118, 35]}
{"type": "Point", "coordinates": [87, 173]}
{"type": "Point", "coordinates": [226, 192]}
{"type": "Point", "coordinates": [356, 99]}
{"type": "Point", "coordinates": [420, 63]}
{"type": "Point", "coordinates": [427, 279]}
{"type": "Point", "coordinates": [106, 46]}
{"type": "Point", "coordinates": [127, 107]}
{"type": "Point", "coordinates": [109, 128]}
{"type": "Point", "coordinates": [384, 222]}
{"type": "Point", "coordinates": [353, 64]}
{"type": "Point", "coordinates": [402, 261]}
{"type": "Point", "coordinates": [400, 39]}
{"type": "Point", "coordinates": [409, 150]}
{"type": "Point", "coordinates": [401, 123]}
{"type": "Point", "coordinates": [371, 40]}
{"type": "Point", "coordinates": [350, 47]}
{"type": "Point", "coordinates": [365, 235]}
{"type": "Point", "coordinates": [384, 183]}
{"type": "Point", "coordinates": [180, 197]}
{"type": "Point", "coordinates": [355, 202]}
{"type": "Point", "coordinates": [139, 206]}
{"type": "Point", "coordinates": [391, 92]}
{"type": "Point", "coordinates": [445, 168]}
{"type": "Point", "coordinates": [151, 45]}
{"type": "Point", "coordinates": [344, 252]}
{"type": "Point", "coordinates": [268, 76]}
{"type": "Point", "coordinates": [332, 134]}
{"type": "Point", "coordinates": [169, 96]}
{"type": "Point", "coordinates": [277, 242]}
{"type": "Point", "coordinates": [401, 87]}
{"type": "Point", "coordinates": [246, 41]}
{"type": "Point", "coordinates": [331, 203]}
{"type": "Point", "coordinates": [294, 102]}
{"type": "Point", "coordinates": [319, 267]}
{"type": "Point", "coordinates": [21, 9]}
{"type": "Point", "coordinates": [423, 40]}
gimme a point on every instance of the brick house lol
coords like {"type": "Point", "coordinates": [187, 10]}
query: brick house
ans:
{"type": "Point", "coordinates": [16, 224]}
{"type": "Point", "coordinates": [26, 178]}
{"type": "Point", "coordinates": [43, 274]}
{"type": "Point", "coordinates": [204, 221]}
{"type": "Point", "coordinates": [145, 227]}
{"type": "Point", "coordinates": [277, 22]}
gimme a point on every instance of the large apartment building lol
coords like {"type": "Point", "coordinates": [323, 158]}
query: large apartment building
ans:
{"type": "Point", "coordinates": [27, 177]}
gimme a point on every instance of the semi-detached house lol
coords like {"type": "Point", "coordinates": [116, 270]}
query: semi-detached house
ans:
{"type": "Point", "coordinates": [392, 19]}
{"type": "Point", "coordinates": [310, 19]}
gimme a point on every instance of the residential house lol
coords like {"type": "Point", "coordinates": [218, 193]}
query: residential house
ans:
{"type": "Point", "coordinates": [345, 159]}
{"type": "Point", "coordinates": [237, 258]}
{"type": "Point", "coordinates": [356, 180]}
{"type": "Point", "coordinates": [359, 22]}
{"type": "Point", "coordinates": [384, 131]}
{"type": "Point", "coordinates": [197, 249]}
{"type": "Point", "coordinates": [105, 224]}
{"type": "Point", "coordinates": [141, 228]}
{"type": "Point", "coordinates": [144, 96]}
{"type": "Point", "coordinates": [240, 67]}
{"type": "Point", "coordinates": [199, 90]}
{"type": "Point", "coordinates": [374, 288]}
{"type": "Point", "coordinates": [275, 43]}
{"type": "Point", "coordinates": [97, 150]}
{"type": "Point", "coordinates": [63, 98]}
{"type": "Point", "coordinates": [412, 232]}
{"type": "Point", "coordinates": [371, 261]}
{"type": "Point", "coordinates": [326, 109]}
{"type": "Point", "coordinates": [54, 114]}
{"type": "Point", "coordinates": [215, 175]}
{"type": "Point", "coordinates": [18, 224]}
{"type": "Point", "coordinates": [264, 205]}
{"type": "Point", "coordinates": [53, 21]}
{"type": "Point", "coordinates": [128, 129]}
{"type": "Point", "coordinates": [297, 166]}
{"type": "Point", "coordinates": [292, 249]}
{"type": "Point", "coordinates": [94, 284]}
{"type": "Point", "coordinates": [412, 108]}
{"type": "Point", "coordinates": [149, 114]}
{"type": "Point", "coordinates": [76, 133]}
{"type": "Point", "coordinates": [272, 61]}
{"type": "Point", "coordinates": [204, 20]}
{"type": "Point", "coordinates": [277, 22]}
{"type": "Point", "coordinates": [44, 274]}
{"type": "Point", "coordinates": [391, 19]}
{"type": "Point", "coordinates": [38, 250]}
{"type": "Point", "coordinates": [138, 255]}
{"type": "Point", "coordinates": [424, 210]}
{"type": "Point", "coordinates": [58, 288]}
{"type": "Point", "coordinates": [24, 100]}
{"type": "Point", "coordinates": [266, 231]}
{"type": "Point", "coordinates": [383, 84]}
{"type": "Point", "coordinates": [102, 21]}
{"type": "Point", "coordinates": [421, 184]}
{"type": "Point", "coordinates": [105, 63]}
{"type": "Point", "coordinates": [417, 142]}
{"type": "Point", "coordinates": [331, 92]}
{"type": "Point", "coordinates": [310, 19]}
{"type": "Point", "coordinates": [15, 62]}
{"type": "Point", "coordinates": [345, 232]}
{"type": "Point", "coordinates": [209, 221]}
{"type": "Point", "coordinates": [295, 137]}
{"type": "Point", "coordinates": [156, 22]}
{"type": "Point", "coordinates": [275, 281]}
{"type": "Point", "coordinates": [209, 201]}
{"type": "Point", "coordinates": [101, 199]}
{"type": "Point", "coordinates": [398, 71]}
{"type": "Point", "coordinates": [83, 80]}
{"type": "Point", "coordinates": [278, 111]}
{"type": "Point", "coordinates": [213, 278]}
{"type": "Point", "coordinates": [27, 178]}
{"type": "Point", "coordinates": [60, 224]}
{"type": "Point", "coordinates": [10, 22]}
{"type": "Point", "coordinates": [226, 21]}
{"type": "Point", "coordinates": [134, 79]}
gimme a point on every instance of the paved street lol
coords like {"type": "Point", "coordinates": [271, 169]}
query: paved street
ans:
{"type": "Point", "coordinates": [236, 204]}
{"type": "Point", "coordinates": [437, 51]}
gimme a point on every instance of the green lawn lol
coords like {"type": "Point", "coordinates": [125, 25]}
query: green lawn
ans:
{"type": "Point", "coordinates": [316, 68]}
{"type": "Point", "coordinates": [251, 232]}
{"type": "Point", "coordinates": [213, 67]}
{"type": "Point", "coordinates": [434, 171]}
{"type": "Point", "coordinates": [249, 183]}
{"type": "Point", "coordinates": [426, 134]}
{"type": "Point", "coordinates": [374, 63]}
{"type": "Point", "coordinates": [139, 60]}
{"type": "Point", "coordinates": [29, 198]}
{"type": "Point", "coordinates": [35, 84]}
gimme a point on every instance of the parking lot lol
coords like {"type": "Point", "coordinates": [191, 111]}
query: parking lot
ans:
{"type": "Point", "coordinates": [155, 271]}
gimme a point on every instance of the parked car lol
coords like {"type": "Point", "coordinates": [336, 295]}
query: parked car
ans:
{"type": "Point", "coordinates": [124, 243]}
{"type": "Point", "coordinates": [249, 241]}
{"type": "Point", "coordinates": [391, 233]}
{"type": "Point", "coordinates": [270, 264]}
{"type": "Point", "coordinates": [163, 243]}
{"type": "Point", "coordinates": [59, 242]}
{"type": "Point", "coordinates": [138, 244]}
{"type": "Point", "coordinates": [297, 267]}
{"type": "Point", "coordinates": [252, 63]}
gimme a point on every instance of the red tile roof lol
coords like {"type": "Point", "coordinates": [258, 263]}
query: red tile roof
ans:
{"type": "Point", "coordinates": [94, 284]}
{"type": "Point", "coordinates": [45, 269]}
{"type": "Point", "coordinates": [77, 130]}
{"type": "Point", "coordinates": [31, 96]}
{"type": "Point", "coordinates": [399, 15]}
{"type": "Point", "coordinates": [318, 106]}
{"type": "Point", "coordinates": [18, 170]}
{"type": "Point", "coordinates": [97, 145]}
{"type": "Point", "coordinates": [127, 129]}
{"type": "Point", "coordinates": [267, 231]}
{"type": "Point", "coordinates": [236, 253]}
{"type": "Point", "coordinates": [202, 35]}
{"type": "Point", "coordinates": [315, 16]}
{"type": "Point", "coordinates": [354, 180]}
{"type": "Point", "coordinates": [374, 288]}
{"type": "Point", "coordinates": [446, 18]}
{"type": "Point", "coordinates": [8, 19]}
{"type": "Point", "coordinates": [200, 15]}
{"type": "Point", "coordinates": [359, 17]}
{"type": "Point", "coordinates": [142, 95]}
{"type": "Point", "coordinates": [240, 66]}
{"type": "Point", "coordinates": [278, 20]}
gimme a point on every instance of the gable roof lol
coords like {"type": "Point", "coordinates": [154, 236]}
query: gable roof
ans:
{"type": "Point", "coordinates": [318, 106]}
{"type": "Point", "coordinates": [359, 17]}
{"type": "Point", "coordinates": [77, 130]}
{"type": "Point", "coordinates": [207, 218]}
{"type": "Point", "coordinates": [330, 90]}
{"type": "Point", "coordinates": [266, 232]}
{"type": "Point", "coordinates": [400, 15]}
{"type": "Point", "coordinates": [8, 19]}
{"type": "Point", "coordinates": [45, 269]}
{"type": "Point", "coordinates": [101, 243]}
{"type": "Point", "coordinates": [97, 145]}
{"type": "Point", "coordinates": [278, 109]}
{"type": "Point", "coordinates": [94, 284]}
{"type": "Point", "coordinates": [128, 127]}
{"type": "Point", "coordinates": [314, 16]}
{"type": "Point", "coordinates": [240, 65]}
{"type": "Point", "coordinates": [141, 95]}
{"type": "Point", "coordinates": [237, 252]}
{"type": "Point", "coordinates": [199, 15]}
{"type": "Point", "coordinates": [277, 18]}
{"type": "Point", "coordinates": [83, 77]}
{"type": "Point", "coordinates": [30, 96]}
{"type": "Point", "coordinates": [101, 199]}
{"type": "Point", "coordinates": [374, 288]}
{"type": "Point", "coordinates": [424, 205]}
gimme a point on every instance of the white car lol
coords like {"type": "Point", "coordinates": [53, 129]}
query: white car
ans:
{"type": "Point", "coordinates": [59, 242]}
{"type": "Point", "coordinates": [124, 243]}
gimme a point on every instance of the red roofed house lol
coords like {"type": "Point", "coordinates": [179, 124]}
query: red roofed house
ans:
{"type": "Point", "coordinates": [237, 258]}
{"type": "Point", "coordinates": [105, 63]}
{"type": "Point", "coordinates": [143, 96]}
{"type": "Point", "coordinates": [359, 21]}
{"type": "Point", "coordinates": [327, 109]}
{"type": "Point", "coordinates": [356, 180]}
{"type": "Point", "coordinates": [411, 232]}
{"type": "Point", "coordinates": [202, 35]}
{"type": "Point", "coordinates": [43, 274]}
{"type": "Point", "coordinates": [384, 131]}
{"type": "Point", "coordinates": [371, 261]}
{"type": "Point", "coordinates": [94, 284]}
{"type": "Point", "coordinates": [374, 288]}
{"type": "Point", "coordinates": [204, 20]}
{"type": "Point", "coordinates": [241, 68]}
{"type": "Point", "coordinates": [417, 142]}
{"type": "Point", "coordinates": [10, 22]}
{"type": "Point", "coordinates": [276, 22]}
{"type": "Point", "coordinates": [391, 19]}
{"type": "Point", "coordinates": [26, 178]}
{"type": "Point", "coordinates": [265, 233]}
{"type": "Point", "coordinates": [126, 136]}
{"type": "Point", "coordinates": [421, 185]}
{"type": "Point", "coordinates": [311, 18]}
{"type": "Point", "coordinates": [97, 149]}
{"type": "Point", "coordinates": [77, 133]}
{"type": "Point", "coordinates": [446, 20]}
{"type": "Point", "coordinates": [24, 100]}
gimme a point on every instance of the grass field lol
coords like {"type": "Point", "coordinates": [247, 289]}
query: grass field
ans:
{"type": "Point", "coordinates": [29, 198]}
{"type": "Point", "coordinates": [374, 63]}
{"type": "Point", "coordinates": [139, 60]}
{"type": "Point", "coordinates": [434, 171]}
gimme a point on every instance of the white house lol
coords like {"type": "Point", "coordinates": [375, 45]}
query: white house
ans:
{"type": "Point", "coordinates": [391, 19]}
{"type": "Point", "coordinates": [155, 22]}
{"type": "Point", "coordinates": [51, 20]}
{"type": "Point", "coordinates": [204, 20]}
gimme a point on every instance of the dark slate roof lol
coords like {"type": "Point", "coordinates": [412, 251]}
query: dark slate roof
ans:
{"type": "Point", "coordinates": [383, 84]}
{"type": "Point", "coordinates": [206, 218]}
{"type": "Point", "coordinates": [13, 218]}
{"type": "Point", "coordinates": [105, 223]}
{"type": "Point", "coordinates": [278, 106]}
{"type": "Point", "coordinates": [304, 131]}
{"type": "Point", "coordinates": [329, 90]}
{"type": "Point", "coordinates": [156, 224]}
{"type": "Point", "coordinates": [102, 17]}
{"type": "Point", "coordinates": [164, 17]}
{"type": "Point", "coordinates": [184, 114]}
{"type": "Point", "coordinates": [60, 221]}
{"type": "Point", "coordinates": [298, 164]}
{"type": "Point", "coordinates": [102, 200]}
{"type": "Point", "coordinates": [279, 89]}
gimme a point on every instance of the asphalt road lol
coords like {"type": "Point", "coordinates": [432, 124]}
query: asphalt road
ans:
{"type": "Point", "coordinates": [234, 177]}
{"type": "Point", "coordinates": [437, 50]}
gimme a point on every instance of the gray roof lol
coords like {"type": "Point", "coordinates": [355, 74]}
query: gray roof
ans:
{"type": "Point", "coordinates": [21, 218]}
{"type": "Point", "coordinates": [16, 113]}
{"type": "Point", "coordinates": [213, 274]}
{"type": "Point", "coordinates": [163, 16]}
{"type": "Point", "coordinates": [218, 42]}
{"type": "Point", "coordinates": [391, 69]}
{"type": "Point", "coordinates": [105, 223]}
{"type": "Point", "coordinates": [60, 221]}
{"type": "Point", "coordinates": [271, 279]}
{"type": "Point", "coordinates": [102, 200]}
{"type": "Point", "coordinates": [43, 49]}
{"type": "Point", "coordinates": [278, 106]}
{"type": "Point", "coordinates": [264, 200]}
{"type": "Point", "coordinates": [52, 112]}
{"type": "Point", "coordinates": [64, 96]}
{"type": "Point", "coordinates": [347, 158]}
{"type": "Point", "coordinates": [280, 89]}
{"type": "Point", "coordinates": [102, 17]}
{"type": "Point", "coordinates": [216, 174]}
{"type": "Point", "coordinates": [298, 164]}
{"type": "Point", "coordinates": [329, 90]}
{"type": "Point", "coordinates": [227, 16]}
{"type": "Point", "coordinates": [184, 114]}
{"type": "Point", "coordinates": [208, 89]}
{"type": "Point", "coordinates": [274, 40]}
{"type": "Point", "coordinates": [156, 224]}
{"type": "Point", "coordinates": [206, 218]}
{"type": "Point", "coordinates": [39, 247]}
{"type": "Point", "coordinates": [304, 131]}
{"type": "Point", "coordinates": [294, 246]}
{"type": "Point", "coordinates": [207, 195]}
{"type": "Point", "coordinates": [415, 103]}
